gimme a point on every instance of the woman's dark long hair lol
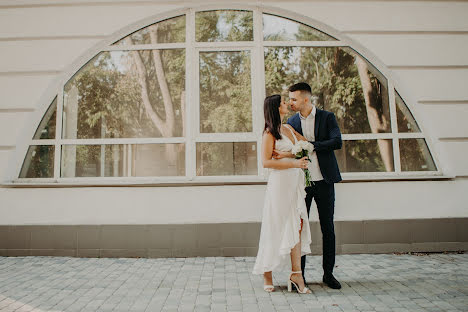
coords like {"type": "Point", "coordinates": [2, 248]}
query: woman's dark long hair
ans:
{"type": "Point", "coordinates": [272, 117]}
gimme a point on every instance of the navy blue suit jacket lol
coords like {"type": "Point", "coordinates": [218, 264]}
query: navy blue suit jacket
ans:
{"type": "Point", "coordinates": [327, 139]}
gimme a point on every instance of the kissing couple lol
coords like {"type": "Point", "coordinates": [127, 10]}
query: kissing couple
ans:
{"type": "Point", "coordinates": [285, 235]}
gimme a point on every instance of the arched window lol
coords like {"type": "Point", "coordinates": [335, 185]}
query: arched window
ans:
{"type": "Point", "coordinates": [181, 100]}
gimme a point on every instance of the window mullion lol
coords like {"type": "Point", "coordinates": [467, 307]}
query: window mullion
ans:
{"type": "Point", "coordinates": [43, 142]}
{"type": "Point", "coordinates": [227, 137]}
{"type": "Point", "coordinates": [129, 160]}
{"type": "Point", "coordinates": [157, 46]}
{"type": "Point", "coordinates": [367, 136]}
{"type": "Point", "coordinates": [58, 134]}
{"type": "Point", "coordinates": [259, 85]}
{"type": "Point", "coordinates": [304, 43]}
{"type": "Point", "coordinates": [192, 96]}
{"type": "Point", "coordinates": [233, 45]}
{"type": "Point", "coordinates": [410, 135]}
{"type": "Point", "coordinates": [394, 125]}
{"type": "Point", "coordinates": [224, 49]}
{"type": "Point", "coordinates": [121, 141]}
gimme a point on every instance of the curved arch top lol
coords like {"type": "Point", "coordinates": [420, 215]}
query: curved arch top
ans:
{"type": "Point", "coordinates": [192, 104]}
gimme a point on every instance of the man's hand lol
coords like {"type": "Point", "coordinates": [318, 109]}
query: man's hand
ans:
{"type": "Point", "coordinates": [313, 146]}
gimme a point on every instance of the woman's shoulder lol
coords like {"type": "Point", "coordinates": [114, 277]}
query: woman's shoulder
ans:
{"type": "Point", "coordinates": [267, 135]}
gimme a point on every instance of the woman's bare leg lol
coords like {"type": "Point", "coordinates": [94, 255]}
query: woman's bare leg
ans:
{"type": "Point", "coordinates": [296, 263]}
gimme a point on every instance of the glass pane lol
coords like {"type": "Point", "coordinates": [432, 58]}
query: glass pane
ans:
{"type": "Point", "coordinates": [225, 92]}
{"type": "Point", "coordinates": [46, 129]}
{"type": "Point", "coordinates": [168, 31]}
{"type": "Point", "coordinates": [216, 159]}
{"type": "Point", "coordinates": [341, 80]}
{"type": "Point", "coordinates": [415, 156]}
{"type": "Point", "coordinates": [277, 28]}
{"type": "Point", "coordinates": [123, 160]}
{"type": "Point", "coordinates": [159, 160]}
{"type": "Point", "coordinates": [127, 94]}
{"type": "Point", "coordinates": [366, 156]}
{"type": "Point", "coordinates": [406, 122]}
{"type": "Point", "coordinates": [227, 25]}
{"type": "Point", "coordinates": [39, 162]}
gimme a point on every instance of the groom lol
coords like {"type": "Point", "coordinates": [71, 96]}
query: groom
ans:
{"type": "Point", "coordinates": [320, 128]}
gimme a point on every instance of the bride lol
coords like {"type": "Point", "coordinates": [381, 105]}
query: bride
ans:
{"type": "Point", "coordinates": [285, 233]}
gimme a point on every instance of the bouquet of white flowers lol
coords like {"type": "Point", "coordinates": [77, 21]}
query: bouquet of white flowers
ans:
{"type": "Point", "coordinates": [302, 149]}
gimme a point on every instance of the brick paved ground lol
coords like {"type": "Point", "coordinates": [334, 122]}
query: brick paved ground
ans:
{"type": "Point", "coordinates": [386, 282]}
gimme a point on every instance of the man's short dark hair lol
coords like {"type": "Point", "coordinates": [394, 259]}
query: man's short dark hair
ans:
{"type": "Point", "coordinates": [301, 86]}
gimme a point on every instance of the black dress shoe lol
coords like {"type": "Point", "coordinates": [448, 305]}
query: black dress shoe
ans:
{"type": "Point", "coordinates": [331, 281]}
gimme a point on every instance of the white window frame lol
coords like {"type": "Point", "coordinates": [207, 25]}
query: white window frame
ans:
{"type": "Point", "coordinates": [192, 135]}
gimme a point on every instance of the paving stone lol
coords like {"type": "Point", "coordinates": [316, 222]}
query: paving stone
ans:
{"type": "Point", "coordinates": [385, 282]}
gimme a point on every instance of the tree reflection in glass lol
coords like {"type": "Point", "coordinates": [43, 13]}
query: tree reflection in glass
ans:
{"type": "Point", "coordinates": [364, 156]}
{"type": "Point", "coordinates": [415, 156]}
{"type": "Point", "coordinates": [277, 28]}
{"type": "Point", "coordinates": [141, 94]}
{"type": "Point", "coordinates": [342, 82]}
{"type": "Point", "coordinates": [216, 159]}
{"type": "Point", "coordinates": [405, 120]}
{"type": "Point", "coordinates": [123, 160]}
{"type": "Point", "coordinates": [39, 162]}
{"type": "Point", "coordinates": [46, 129]}
{"type": "Point", "coordinates": [225, 92]}
{"type": "Point", "coordinates": [227, 25]}
{"type": "Point", "coordinates": [127, 94]}
{"type": "Point", "coordinates": [168, 31]}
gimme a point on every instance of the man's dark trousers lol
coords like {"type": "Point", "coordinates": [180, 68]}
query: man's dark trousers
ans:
{"type": "Point", "coordinates": [324, 195]}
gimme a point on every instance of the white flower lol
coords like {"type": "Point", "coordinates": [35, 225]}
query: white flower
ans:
{"type": "Point", "coordinates": [296, 149]}
{"type": "Point", "coordinates": [308, 147]}
{"type": "Point", "coordinates": [302, 145]}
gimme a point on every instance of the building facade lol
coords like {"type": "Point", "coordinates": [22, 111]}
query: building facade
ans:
{"type": "Point", "coordinates": [133, 128]}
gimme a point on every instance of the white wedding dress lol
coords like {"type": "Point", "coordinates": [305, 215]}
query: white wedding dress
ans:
{"type": "Point", "coordinates": [283, 210]}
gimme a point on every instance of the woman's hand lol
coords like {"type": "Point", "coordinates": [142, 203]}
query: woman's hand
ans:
{"type": "Point", "coordinates": [302, 163]}
{"type": "Point", "coordinates": [277, 154]}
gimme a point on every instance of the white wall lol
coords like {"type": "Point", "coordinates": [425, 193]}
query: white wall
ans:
{"type": "Point", "coordinates": [218, 204]}
{"type": "Point", "coordinates": [424, 44]}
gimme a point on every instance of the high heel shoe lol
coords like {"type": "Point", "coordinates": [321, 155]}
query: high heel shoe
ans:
{"type": "Point", "coordinates": [268, 282]}
{"type": "Point", "coordinates": [305, 290]}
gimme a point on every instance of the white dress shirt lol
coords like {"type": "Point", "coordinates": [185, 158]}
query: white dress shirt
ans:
{"type": "Point", "coordinates": [308, 131]}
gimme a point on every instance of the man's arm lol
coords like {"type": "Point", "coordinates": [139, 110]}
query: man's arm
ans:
{"type": "Point", "coordinates": [334, 142]}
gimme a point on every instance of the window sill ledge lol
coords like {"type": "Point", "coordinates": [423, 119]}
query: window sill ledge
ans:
{"type": "Point", "coordinates": [51, 183]}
